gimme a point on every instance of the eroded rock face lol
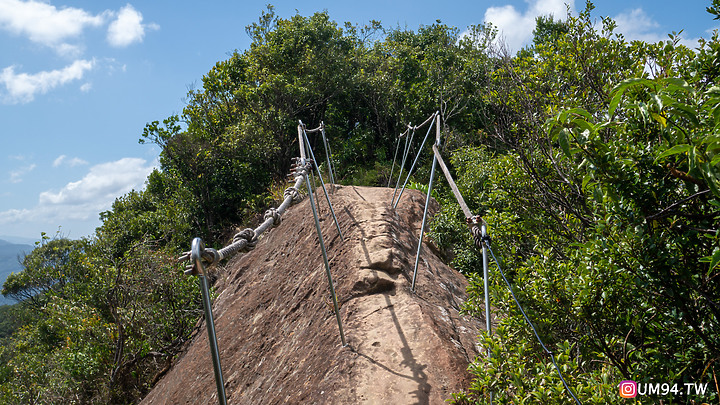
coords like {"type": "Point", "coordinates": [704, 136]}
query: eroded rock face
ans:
{"type": "Point", "coordinates": [278, 336]}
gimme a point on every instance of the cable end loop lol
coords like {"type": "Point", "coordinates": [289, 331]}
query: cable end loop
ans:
{"type": "Point", "coordinates": [475, 223]}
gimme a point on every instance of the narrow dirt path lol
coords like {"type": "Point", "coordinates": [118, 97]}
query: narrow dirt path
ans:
{"type": "Point", "coordinates": [278, 336]}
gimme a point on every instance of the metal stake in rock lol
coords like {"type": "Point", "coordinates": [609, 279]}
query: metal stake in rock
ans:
{"type": "Point", "coordinates": [196, 258]}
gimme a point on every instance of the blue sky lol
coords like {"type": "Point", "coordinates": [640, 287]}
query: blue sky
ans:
{"type": "Point", "coordinates": [80, 79]}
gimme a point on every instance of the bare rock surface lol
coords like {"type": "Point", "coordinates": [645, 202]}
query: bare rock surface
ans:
{"type": "Point", "coordinates": [278, 336]}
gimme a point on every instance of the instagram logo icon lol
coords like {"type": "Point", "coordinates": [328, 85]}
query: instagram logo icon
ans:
{"type": "Point", "coordinates": [628, 389]}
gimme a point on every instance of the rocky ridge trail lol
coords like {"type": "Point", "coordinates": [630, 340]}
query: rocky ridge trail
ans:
{"type": "Point", "coordinates": [277, 333]}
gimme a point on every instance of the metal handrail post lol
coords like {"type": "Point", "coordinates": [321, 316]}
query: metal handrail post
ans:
{"type": "Point", "coordinates": [424, 221]}
{"type": "Point", "coordinates": [427, 204]}
{"type": "Point", "coordinates": [327, 266]}
{"type": "Point", "coordinates": [332, 210]}
{"type": "Point", "coordinates": [486, 281]}
{"type": "Point", "coordinates": [392, 168]}
{"type": "Point", "coordinates": [406, 150]}
{"type": "Point", "coordinates": [327, 155]}
{"type": "Point", "coordinates": [301, 143]}
{"type": "Point", "coordinates": [486, 286]}
{"type": "Point", "coordinates": [196, 257]}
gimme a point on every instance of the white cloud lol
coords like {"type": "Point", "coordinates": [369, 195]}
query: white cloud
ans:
{"type": "Point", "coordinates": [515, 28]}
{"type": "Point", "coordinates": [63, 30]}
{"type": "Point", "coordinates": [13, 216]}
{"type": "Point", "coordinates": [102, 184]}
{"type": "Point", "coordinates": [16, 176]}
{"type": "Point", "coordinates": [22, 87]}
{"type": "Point", "coordinates": [45, 24]}
{"type": "Point", "coordinates": [127, 28]}
{"type": "Point", "coordinates": [84, 199]}
{"type": "Point", "coordinates": [638, 25]}
{"type": "Point", "coordinates": [72, 162]}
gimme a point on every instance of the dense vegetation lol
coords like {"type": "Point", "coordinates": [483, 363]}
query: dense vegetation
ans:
{"type": "Point", "coordinates": [602, 189]}
{"type": "Point", "coordinates": [595, 161]}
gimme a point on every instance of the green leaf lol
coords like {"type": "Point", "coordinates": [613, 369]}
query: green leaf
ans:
{"type": "Point", "coordinates": [713, 92]}
{"type": "Point", "coordinates": [644, 113]}
{"type": "Point", "coordinates": [674, 83]}
{"type": "Point", "coordinates": [581, 112]}
{"type": "Point", "coordinates": [618, 91]}
{"type": "Point", "coordinates": [674, 151]}
{"type": "Point", "coordinates": [564, 143]}
{"type": "Point", "coordinates": [714, 260]}
{"type": "Point", "coordinates": [584, 125]}
{"type": "Point", "coordinates": [686, 111]}
{"type": "Point", "coordinates": [716, 113]}
{"type": "Point", "coordinates": [657, 101]}
{"type": "Point", "coordinates": [659, 118]}
{"type": "Point", "coordinates": [710, 139]}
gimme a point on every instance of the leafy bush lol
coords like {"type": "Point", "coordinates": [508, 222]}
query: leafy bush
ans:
{"type": "Point", "coordinates": [602, 200]}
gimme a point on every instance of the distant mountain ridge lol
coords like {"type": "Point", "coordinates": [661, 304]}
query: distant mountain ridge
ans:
{"type": "Point", "coordinates": [9, 255]}
{"type": "Point", "coordinates": [17, 240]}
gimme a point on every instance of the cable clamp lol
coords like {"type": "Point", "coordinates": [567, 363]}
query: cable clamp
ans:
{"type": "Point", "coordinates": [207, 255]}
{"type": "Point", "coordinates": [292, 193]}
{"type": "Point", "coordinates": [274, 214]}
{"type": "Point", "coordinates": [249, 235]}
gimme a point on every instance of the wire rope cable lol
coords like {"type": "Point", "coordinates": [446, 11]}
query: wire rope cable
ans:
{"type": "Point", "coordinates": [328, 155]}
{"type": "Point", "coordinates": [531, 324]}
{"type": "Point", "coordinates": [303, 173]}
{"type": "Point", "coordinates": [417, 157]}
{"type": "Point", "coordinates": [406, 150]}
{"type": "Point", "coordinates": [327, 197]}
{"type": "Point", "coordinates": [397, 148]}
